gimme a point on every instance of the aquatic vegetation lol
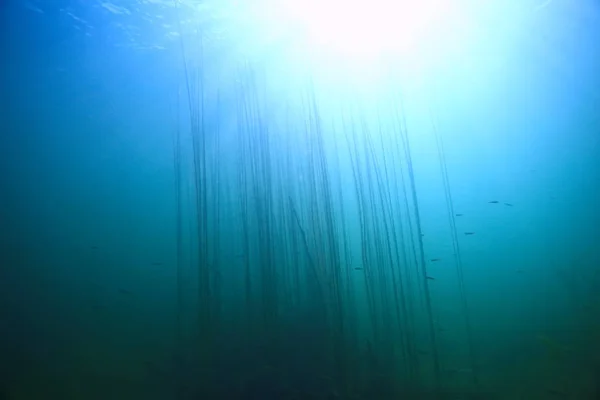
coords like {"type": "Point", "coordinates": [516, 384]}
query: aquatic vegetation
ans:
{"type": "Point", "coordinates": [310, 275]}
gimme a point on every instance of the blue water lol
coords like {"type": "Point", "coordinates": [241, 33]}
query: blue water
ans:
{"type": "Point", "coordinates": [190, 209]}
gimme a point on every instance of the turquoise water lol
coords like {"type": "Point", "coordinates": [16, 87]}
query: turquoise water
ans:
{"type": "Point", "coordinates": [193, 210]}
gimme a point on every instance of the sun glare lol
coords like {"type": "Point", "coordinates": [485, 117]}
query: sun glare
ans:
{"type": "Point", "coordinates": [370, 29]}
{"type": "Point", "coordinates": [362, 38]}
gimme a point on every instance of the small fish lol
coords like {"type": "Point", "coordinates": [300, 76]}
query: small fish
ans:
{"type": "Point", "coordinates": [469, 233]}
{"type": "Point", "coordinates": [458, 215]}
{"type": "Point", "coordinates": [508, 204]}
{"type": "Point", "coordinates": [125, 292]}
{"type": "Point", "coordinates": [493, 202]}
{"type": "Point", "coordinates": [434, 259]}
{"type": "Point", "coordinates": [158, 263]}
{"type": "Point", "coordinates": [431, 278]}
{"type": "Point", "coordinates": [358, 268]}
{"type": "Point", "coordinates": [94, 247]}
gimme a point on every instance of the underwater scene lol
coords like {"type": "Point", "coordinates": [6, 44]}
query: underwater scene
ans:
{"type": "Point", "coordinates": [288, 200]}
